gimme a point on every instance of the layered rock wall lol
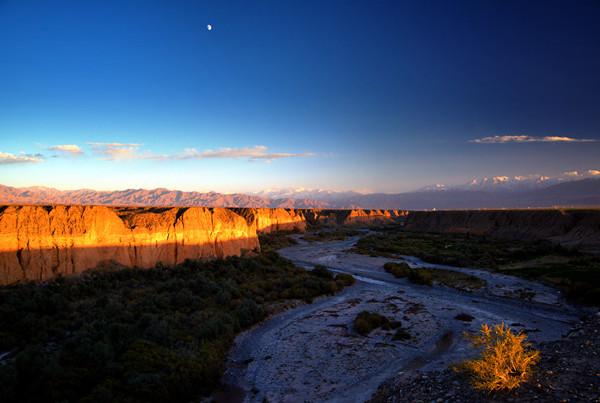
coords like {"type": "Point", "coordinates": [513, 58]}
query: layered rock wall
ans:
{"type": "Point", "coordinates": [267, 220]}
{"type": "Point", "coordinates": [39, 242]}
{"type": "Point", "coordinates": [571, 228]}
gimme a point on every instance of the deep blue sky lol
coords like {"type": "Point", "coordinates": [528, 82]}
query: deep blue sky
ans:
{"type": "Point", "coordinates": [346, 95]}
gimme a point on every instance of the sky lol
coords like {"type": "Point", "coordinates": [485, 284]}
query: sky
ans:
{"type": "Point", "coordinates": [371, 96]}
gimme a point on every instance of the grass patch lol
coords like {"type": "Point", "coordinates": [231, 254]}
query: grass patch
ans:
{"type": "Point", "coordinates": [277, 240]}
{"type": "Point", "coordinates": [155, 335]}
{"type": "Point", "coordinates": [429, 275]}
{"type": "Point", "coordinates": [401, 334]}
{"type": "Point", "coordinates": [366, 322]}
{"type": "Point", "coordinates": [462, 250]}
{"type": "Point", "coordinates": [328, 236]}
{"type": "Point", "coordinates": [576, 274]}
{"type": "Point", "coordinates": [579, 278]}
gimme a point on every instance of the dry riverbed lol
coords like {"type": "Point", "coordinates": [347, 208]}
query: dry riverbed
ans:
{"type": "Point", "coordinates": [311, 353]}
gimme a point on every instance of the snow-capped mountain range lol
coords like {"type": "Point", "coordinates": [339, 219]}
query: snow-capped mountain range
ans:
{"type": "Point", "coordinates": [570, 190]}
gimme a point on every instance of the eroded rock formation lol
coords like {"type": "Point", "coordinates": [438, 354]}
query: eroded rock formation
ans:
{"type": "Point", "coordinates": [39, 242]}
{"type": "Point", "coordinates": [268, 220]}
{"type": "Point", "coordinates": [333, 218]}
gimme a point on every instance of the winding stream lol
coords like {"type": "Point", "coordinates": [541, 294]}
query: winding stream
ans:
{"type": "Point", "coordinates": [311, 353]}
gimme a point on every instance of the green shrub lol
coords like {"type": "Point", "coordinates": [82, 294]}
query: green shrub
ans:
{"type": "Point", "coordinates": [398, 270]}
{"type": "Point", "coordinates": [345, 279]}
{"type": "Point", "coordinates": [401, 334]}
{"type": "Point", "coordinates": [366, 322]}
{"type": "Point", "coordinates": [322, 272]}
{"type": "Point", "coordinates": [420, 276]}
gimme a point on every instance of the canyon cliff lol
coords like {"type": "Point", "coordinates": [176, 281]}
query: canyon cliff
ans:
{"type": "Point", "coordinates": [570, 228]}
{"type": "Point", "coordinates": [38, 243]}
{"type": "Point", "coordinates": [334, 218]}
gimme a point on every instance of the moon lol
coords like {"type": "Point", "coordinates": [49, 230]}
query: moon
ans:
{"type": "Point", "coordinates": [209, 27]}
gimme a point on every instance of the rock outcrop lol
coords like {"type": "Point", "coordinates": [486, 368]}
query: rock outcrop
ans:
{"type": "Point", "coordinates": [571, 228]}
{"type": "Point", "coordinates": [266, 220]}
{"type": "Point", "coordinates": [334, 218]}
{"type": "Point", "coordinates": [39, 242]}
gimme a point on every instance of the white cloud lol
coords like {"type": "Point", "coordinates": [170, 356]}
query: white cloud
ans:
{"type": "Point", "coordinates": [70, 150]}
{"type": "Point", "coordinates": [254, 153]}
{"type": "Point", "coordinates": [7, 158]}
{"type": "Point", "coordinates": [120, 151]}
{"type": "Point", "coordinates": [529, 139]}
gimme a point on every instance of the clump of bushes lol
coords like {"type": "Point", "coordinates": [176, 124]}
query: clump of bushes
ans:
{"type": "Point", "coordinates": [402, 270]}
{"type": "Point", "coordinates": [366, 322]}
{"type": "Point", "coordinates": [345, 279]}
{"type": "Point", "coordinates": [335, 235]}
{"type": "Point", "coordinates": [502, 360]}
{"type": "Point", "coordinates": [322, 272]}
{"type": "Point", "coordinates": [277, 240]}
{"type": "Point", "coordinates": [401, 334]}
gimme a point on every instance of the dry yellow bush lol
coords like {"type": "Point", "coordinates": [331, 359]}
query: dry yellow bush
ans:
{"type": "Point", "coordinates": [502, 361]}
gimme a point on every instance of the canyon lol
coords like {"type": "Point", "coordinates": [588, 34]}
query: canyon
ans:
{"type": "Point", "coordinates": [38, 243]}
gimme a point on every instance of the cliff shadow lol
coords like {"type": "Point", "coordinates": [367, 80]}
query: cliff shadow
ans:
{"type": "Point", "coordinates": [42, 264]}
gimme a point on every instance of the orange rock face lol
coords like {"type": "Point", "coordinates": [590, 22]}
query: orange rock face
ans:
{"type": "Point", "coordinates": [39, 242]}
{"type": "Point", "coordinates": [267, 220]}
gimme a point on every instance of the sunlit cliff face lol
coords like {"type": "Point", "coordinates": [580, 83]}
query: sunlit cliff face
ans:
{"type": "Point", "coordinates": [38, 243]}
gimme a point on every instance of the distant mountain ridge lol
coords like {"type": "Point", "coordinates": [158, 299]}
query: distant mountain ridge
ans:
{"type": "Point", "coordinates": [576, 193]}
{"type": "Point", "coordinates": [143, 197]}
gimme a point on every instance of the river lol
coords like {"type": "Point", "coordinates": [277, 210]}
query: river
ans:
{"type": "Point", "coordinates": [312, 354]}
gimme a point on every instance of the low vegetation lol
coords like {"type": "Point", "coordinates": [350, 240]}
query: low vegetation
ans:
{"type": "Point", "coordinates": [502, 360]}
{"type": "Point", "coordinates": [273, 241]}
{"type": "Point", "coordinates": [333, 235]}
{"type": "Point", "coordinates": [159, 334]}
{"type": "Point", "coordinates": [365, 322]}
{"type": "Point", "coordinates": [578, 277]}
{"type": "Point", "coordinates": [429, 275]}
{"type": "Point", "coordinates": [464, 250]}
{"type": "Point", "coordinates": [577, 274]}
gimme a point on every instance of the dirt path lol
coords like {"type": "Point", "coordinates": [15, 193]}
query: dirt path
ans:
{"type": "Point", "coordinates": [312, 353]}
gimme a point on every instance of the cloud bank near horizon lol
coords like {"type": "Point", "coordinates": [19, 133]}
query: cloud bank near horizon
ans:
{"type": "Point", "coordinates": [129, 151]}
{"type": "Point", "coordinates": [529, 139]}
{"type": "Point", "coordinates": [69, 150]}
{"type": "Point", "coordinates": [8, 158]}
